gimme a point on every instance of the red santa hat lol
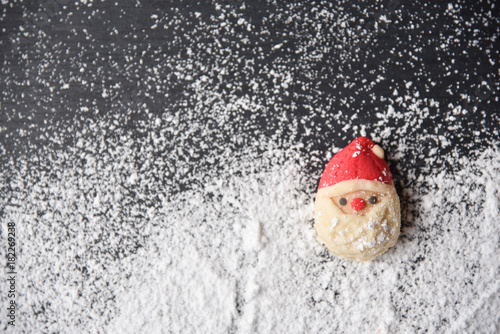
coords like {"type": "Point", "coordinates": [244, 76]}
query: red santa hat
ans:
{"type": "Point", "coordinates": [356, 167]}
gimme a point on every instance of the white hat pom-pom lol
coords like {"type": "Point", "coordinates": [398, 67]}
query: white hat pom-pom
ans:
{"type": "Point", "coordinates": [378, 151]}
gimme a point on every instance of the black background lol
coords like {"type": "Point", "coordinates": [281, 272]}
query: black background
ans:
{"type": "Point", "coordinates": [446, 57]}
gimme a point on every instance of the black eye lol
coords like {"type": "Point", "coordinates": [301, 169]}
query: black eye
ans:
{"type": "Point", "coordinates": [373, 199]}
{"type": "Point", "coordinates": [342, 201]}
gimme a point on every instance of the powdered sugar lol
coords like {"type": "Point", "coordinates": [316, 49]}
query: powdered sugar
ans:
{"type": "Point", "coordinates": [371, 224]}
{"type": "Point", "coordinates": [194, 276]}
{"type": "Point", "coordinates": [173, 191]}
{"type": "Point", "coordinates": [335, 221]}
{"type": "Point", "coordinates": [226, 257]}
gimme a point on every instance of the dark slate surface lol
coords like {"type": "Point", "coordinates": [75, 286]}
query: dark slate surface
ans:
{"type": "Point", "coordinates": [449, 58]}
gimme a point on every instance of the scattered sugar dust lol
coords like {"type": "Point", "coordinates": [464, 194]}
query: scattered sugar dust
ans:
{"type": "Point", "coordinates": [200, 219]}
{"type": "Point", "coordinates": [247, 261]}
{"type": "Point", "coordinates": [106, 246]}
{"type": "Point", "coordinates": [239, 254]}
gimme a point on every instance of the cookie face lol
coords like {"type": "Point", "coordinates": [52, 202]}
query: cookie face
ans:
{"type": "Point", "coordinates": [358, 202]}
{"type": "Point", "coordinates": [357, 209]}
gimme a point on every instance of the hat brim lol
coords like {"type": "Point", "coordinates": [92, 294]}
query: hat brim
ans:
{"type": "Point", "coordinates": [349, 186]}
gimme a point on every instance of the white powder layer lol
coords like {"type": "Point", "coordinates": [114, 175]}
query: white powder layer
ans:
{"type": "Point", "coordinates": [239, 254]}
{"type": "Point", "coordinates": [248, 262]}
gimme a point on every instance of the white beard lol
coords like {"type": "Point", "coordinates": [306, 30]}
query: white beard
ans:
{"type": "Point", "coordinates": [358, 237]}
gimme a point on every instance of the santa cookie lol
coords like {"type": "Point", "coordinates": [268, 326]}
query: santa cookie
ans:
{"type": "Point", "coordinates": [357, 213]}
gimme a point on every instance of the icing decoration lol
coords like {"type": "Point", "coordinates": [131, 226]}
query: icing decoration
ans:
{"type": "Point", "coordinates": [358, 204]}
{"type": "Point", "coordinates": [357, 161]}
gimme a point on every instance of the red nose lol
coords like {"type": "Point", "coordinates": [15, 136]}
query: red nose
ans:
{"type": "Point", "coordinates": [357, 204]}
